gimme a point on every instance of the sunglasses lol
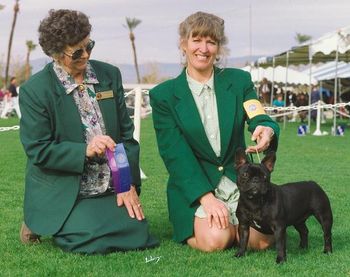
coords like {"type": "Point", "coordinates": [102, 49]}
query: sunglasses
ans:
{"type": "Point", "coordinates": [78, 53]}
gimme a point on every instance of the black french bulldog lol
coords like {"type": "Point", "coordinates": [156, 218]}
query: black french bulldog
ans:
{"type": "Point", "coordinates": [269, 208]}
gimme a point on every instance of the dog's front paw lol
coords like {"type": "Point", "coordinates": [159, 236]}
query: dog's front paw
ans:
{"type": "Point", "coordinates": [281, 259]}
{"type": "Point", "coordinates": [239, 254]}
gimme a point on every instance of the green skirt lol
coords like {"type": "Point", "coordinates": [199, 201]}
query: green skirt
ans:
{"type": "Point", "coordinates": [98, 226]}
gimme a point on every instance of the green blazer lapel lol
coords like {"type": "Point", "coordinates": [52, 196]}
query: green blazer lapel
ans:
{"type": "Point", "coordinates": [108, 105]}
{"type": "Point", "coordinates": [188, 114]}
{"type": "Point", "coordinates": [68, 110]}
{"type": "Point", "coordinates": [226, 103]}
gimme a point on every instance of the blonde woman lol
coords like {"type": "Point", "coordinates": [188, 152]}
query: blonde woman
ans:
{"type": "Point", "coordinates": [199, 119]}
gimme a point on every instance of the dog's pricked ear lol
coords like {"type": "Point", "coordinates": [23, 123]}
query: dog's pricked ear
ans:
{"type": "Point", "coordinates": [269, 160]}
{"type": "Point", "coordinates": [240, 158]}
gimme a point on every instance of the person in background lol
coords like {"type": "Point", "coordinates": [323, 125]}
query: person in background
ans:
{"type": "Point", "coordinates": [13, 87]}
{"type": "Point", "coordinates": [302, 100]}
{"type": "Point", "coordinates": [315, 97]}
{"type": "Point", "coordinates": [11, 99]}
{"type": "Point", "coordinates": [265, 91]}
{"type": "Point", "coordinates": [2, 101]}
{"type": "Point", "coordinates": [73, 110]}
{"type": "Point", "coordinates": [279, 103]}
{"type": "Point", "coordinates": [199, 119]}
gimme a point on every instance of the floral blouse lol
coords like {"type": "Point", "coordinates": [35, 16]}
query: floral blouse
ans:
{"type": "Point", "coordinates": [96, 176]}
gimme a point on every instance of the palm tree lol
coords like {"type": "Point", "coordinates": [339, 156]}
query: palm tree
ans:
{"type": "Point", "coordinates": [30, 47]}
{"type": "Point", "coordinates": [16, 10]}
{"type": "Point", "coordinates": [301, 38]}
{"type": "Point", "coordinates": [131, 24]}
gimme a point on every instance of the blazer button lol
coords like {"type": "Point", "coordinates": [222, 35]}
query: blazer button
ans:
{"type": "Point", "coordinates": [220, 168]}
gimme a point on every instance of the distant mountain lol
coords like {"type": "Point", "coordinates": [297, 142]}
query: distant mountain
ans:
{"type": "Point", "coordinates": [241, 61]}
{"type": "Point", "coordinates": [38, 64]}
{"type": "Point", "coordinates": [164, 70]}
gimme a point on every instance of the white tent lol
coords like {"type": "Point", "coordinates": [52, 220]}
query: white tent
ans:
{"type": "Point", "coordinates": [336, 43]}
{"type": "Point", "coordinates": [279, 75]}
{"type": "Point", "coordinates": [329, 71]}
{"type": "Point", "coordinates": [329, 47]}
{"type": "Point", "coordinates": [333, 46]}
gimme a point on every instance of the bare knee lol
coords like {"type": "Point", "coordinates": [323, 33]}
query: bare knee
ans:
{"type": "Point", "coordinates": [259, 241]}
{"type": "Point", "coordinates": [214, 240]}
{"type": "Point", "coordinates": [259, 244]}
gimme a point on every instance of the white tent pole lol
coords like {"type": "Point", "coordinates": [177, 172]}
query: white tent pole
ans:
{"type": "Point", "coordinates": [258, 81]}
{"type": "Point", "coordinates": [285, 90]}
{"type": "Point", "coordinates": [310, 89]}
{"type": "Point", "coordinates": [335, 90]}
{"type": "Point", "coordinates": [137, 113]}
{"type": "Point", "coordinates": [318, 120]}
{"type": "Point", "coordinates": [137, 120]}
{"type": "Point", "coordinates": [339, 89]}
{"type": "Point", "coordinates": [321, 97]}
{"type": "Point", "coordinates": [273, 80]}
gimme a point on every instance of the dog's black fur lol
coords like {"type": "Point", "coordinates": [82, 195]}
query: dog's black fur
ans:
{"type": "Point", "coordinates": [271, 208]}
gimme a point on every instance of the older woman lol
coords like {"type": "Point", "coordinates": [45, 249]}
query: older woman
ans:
{"type": "Point", "coordinates": [72, 111]}
{"type": "Point", "coordinates": [199, 119]}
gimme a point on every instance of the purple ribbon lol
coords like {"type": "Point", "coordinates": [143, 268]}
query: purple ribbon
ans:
{"type": "Point", "coordinates": [119, 165]}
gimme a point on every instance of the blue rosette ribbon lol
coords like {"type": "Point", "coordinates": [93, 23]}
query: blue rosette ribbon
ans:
{"type": "Point", "coordinates": [119, 165]}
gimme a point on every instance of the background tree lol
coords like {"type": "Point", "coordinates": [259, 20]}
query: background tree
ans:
{"type": "Point", "coordinates": [30, 47]}
{"type": "Point", "coordinates": [152, 75]}
{"type": "Point", "coordinates": [16, 10]}
{"type": "Point", "coordinates": [18, 69]}
{"type": "Point", "coordinates": [301, 38]}
{"type": "Point", "coordinates": [131, 24]}
{"type": "Point", "coordinates": [1, 77]}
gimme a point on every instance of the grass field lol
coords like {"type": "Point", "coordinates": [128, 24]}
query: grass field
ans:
{"type": "Point", "coordinates": [324, 159]}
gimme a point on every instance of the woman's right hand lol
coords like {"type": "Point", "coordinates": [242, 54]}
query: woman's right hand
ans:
{"type": "Point", "coordinates": [98, 146]}
{"type": "Point", "coordinates": [216, 211]}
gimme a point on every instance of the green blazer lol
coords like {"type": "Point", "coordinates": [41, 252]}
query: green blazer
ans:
{"type": "Point", "coordinates": [53, 139]}
{"type": "Point", "coordinates": [193, 167]}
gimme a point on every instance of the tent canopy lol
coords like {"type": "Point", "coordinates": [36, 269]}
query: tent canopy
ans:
{"type": "Point", "coordinates": [329, 71]}
{"type": "Point", "coordinates": [279, 74]}
{"type": "Point", "coordinates": [321, 50]}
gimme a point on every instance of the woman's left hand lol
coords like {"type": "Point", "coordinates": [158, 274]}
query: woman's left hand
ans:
{"type": "Point", "coordinates": [132, 203]}
{"type": "Point", "coordinates": [263, 136]}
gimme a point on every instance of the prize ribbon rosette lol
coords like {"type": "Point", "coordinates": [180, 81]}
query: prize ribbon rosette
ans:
{"type": "Point", "coordinates": [119, 165]}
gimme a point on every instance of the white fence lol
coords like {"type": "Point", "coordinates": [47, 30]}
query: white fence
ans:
{"type": "Point", "coordinates": [137, 95]}
{"type": "Point", "coordinates": [137, 102]}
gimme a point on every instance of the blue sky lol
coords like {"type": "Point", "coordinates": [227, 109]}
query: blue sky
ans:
{"type": "Point", "coordinates": [273, 25]}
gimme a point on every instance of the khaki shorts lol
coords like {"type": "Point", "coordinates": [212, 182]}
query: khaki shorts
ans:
{"type": "Point", "coordinates": [227, 192]}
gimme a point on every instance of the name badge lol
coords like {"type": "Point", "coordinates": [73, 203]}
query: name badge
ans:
{"type": "Point", "coordinates": [253, 108]}
{"type": "Point", "coordinates": [104, 94]}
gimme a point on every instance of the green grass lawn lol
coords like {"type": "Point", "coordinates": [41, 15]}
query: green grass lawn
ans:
{"type": "Point", "coordinates": [324, 159]}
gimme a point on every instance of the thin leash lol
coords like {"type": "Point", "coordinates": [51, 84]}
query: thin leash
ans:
{"type": "Point", "coordinates": [257, 154]}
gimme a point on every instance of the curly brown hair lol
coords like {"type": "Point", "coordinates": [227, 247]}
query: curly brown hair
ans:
{"type": "Point", "coordinates": [62, 28]}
